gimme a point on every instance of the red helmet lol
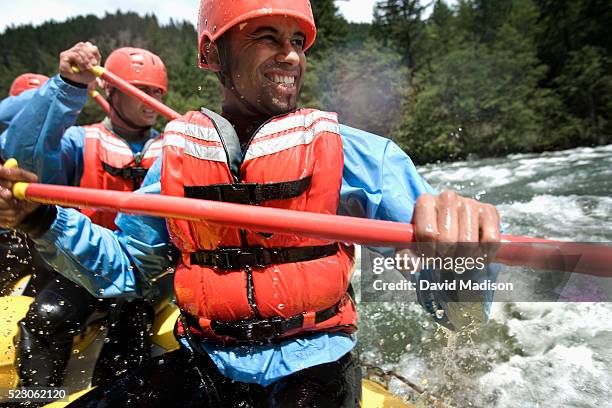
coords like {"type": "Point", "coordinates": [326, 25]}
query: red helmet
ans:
{"type": "Point", "coordinates": [138, 67]}
{"type": "Point", "coordinates": [27, 81]}
{"type": "Point", "coordinates": [218, 16]}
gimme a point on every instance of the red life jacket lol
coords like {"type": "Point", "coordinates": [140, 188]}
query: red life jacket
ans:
{"type": "Point", "coordinates": [110, 164]}
{"type": "Point", "coordinates": [223, 283]}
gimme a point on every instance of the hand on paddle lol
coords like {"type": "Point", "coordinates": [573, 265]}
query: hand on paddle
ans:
{"type": "Point", "coordinates": [449, 218]}
{"type": "Point", "coordinates": [83, 55]}
{"type": "Point", "coordinates": [13, 211]}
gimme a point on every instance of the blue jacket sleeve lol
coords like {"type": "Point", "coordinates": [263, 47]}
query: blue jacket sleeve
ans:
{"type": "Point", "coordinates": [110, 264]}
{"type": "Point", "coordinates": [11, 106]}
{"type": "Point", "coordinates": [379, 180]}
{"type": "Point", "coordinates": [41, 138]}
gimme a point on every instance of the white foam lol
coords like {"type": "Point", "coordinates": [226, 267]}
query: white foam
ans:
{"type": "Point", "coordinates": [559, 377]}
{"type": "Point", "coordinates": [572, 217]}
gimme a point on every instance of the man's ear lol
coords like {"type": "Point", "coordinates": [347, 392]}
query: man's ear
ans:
{"type": "Point", "coordinates": [210, 54]}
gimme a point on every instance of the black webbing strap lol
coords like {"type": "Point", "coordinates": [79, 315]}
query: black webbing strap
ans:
{"type": "Point", "coordinates": [249, 193]}
{"type": "Point", "coordinates": [229, 139]}
{"type": "Point", "coordinates": [135, 173]}
{"type": "Point", "coordinates": [237, 258]}
{"type": "Point", "coordinates": [262, 330]}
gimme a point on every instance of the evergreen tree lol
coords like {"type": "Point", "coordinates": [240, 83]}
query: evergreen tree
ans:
{"type": "Point", "coordinates": [398, 24]}
{"type": "Point", "coordinates": [332, 28]}
{"type": "Point", "coordinates": [482, 99]}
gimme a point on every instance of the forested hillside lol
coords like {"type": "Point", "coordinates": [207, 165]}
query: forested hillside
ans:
{"type": "Point", "coordinates": [484, 77]}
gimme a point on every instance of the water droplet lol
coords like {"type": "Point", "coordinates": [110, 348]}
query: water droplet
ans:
{"type": "Point", "coordinates": [281, 306]}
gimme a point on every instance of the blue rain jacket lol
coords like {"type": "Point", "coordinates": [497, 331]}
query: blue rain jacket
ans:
{"type": "Point", "coordinates": [11, 105]}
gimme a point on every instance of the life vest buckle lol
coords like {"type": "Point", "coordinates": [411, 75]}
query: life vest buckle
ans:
{"type": "Point", "coordinates": [243, 193]}
{"type": "Point", "coordinates": [135, 173]}
{"type": "Point", "coordinates": [239, 258]}
{"type": "Point", "coordinates": [256, 330]}
{"type": "Point", "coordinates": [266, 330]}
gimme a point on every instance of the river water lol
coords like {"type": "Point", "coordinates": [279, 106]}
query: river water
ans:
{"type": "Point", "coordinates": [528, 354]}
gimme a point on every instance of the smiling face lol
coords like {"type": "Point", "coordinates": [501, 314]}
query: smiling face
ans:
{"type": "Point", "coordinates": [266, 62]}
{"type": "Point", "coordinates": [135, 111]}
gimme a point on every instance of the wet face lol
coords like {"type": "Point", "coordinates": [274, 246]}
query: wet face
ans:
{"type": "Point", "coordinates": [266, 63]}
{"type": "Point", "coordinates": [134, 110]}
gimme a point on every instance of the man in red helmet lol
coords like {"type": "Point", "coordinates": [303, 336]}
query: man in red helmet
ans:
{"type": "Point", "coordinates": [266, 319]}
{"type": "Point", "coordinates": [114, 154]}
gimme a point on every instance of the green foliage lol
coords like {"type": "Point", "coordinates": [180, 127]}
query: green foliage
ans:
{"type": "Point", "coordinates": [483, 77]}
{"type": "Point", "coordinates": [487, 89]}
{"type": "Point", "coordinates": [586, 85]}
{"type": "Point", "coordinates": [399, 24]}
{"type": "Point", "coordinates": [332, 28]}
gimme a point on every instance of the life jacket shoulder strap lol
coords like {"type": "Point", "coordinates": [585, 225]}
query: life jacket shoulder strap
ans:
{"type": "Point", "coordinates": [249, 193]}
{"type": "Point", "coordinates": [229, 139]}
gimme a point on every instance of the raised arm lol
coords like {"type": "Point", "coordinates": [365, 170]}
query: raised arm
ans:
{"type": "Point", "coordinates": [41, 136]}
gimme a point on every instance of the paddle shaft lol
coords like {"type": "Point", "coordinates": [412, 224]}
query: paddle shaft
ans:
{"type": "Point", "coordinates": [133, 91]}
{"type": "Point", "coordinates": [532, 252]}
{"type": "Point", "coordinates": [96, 96]}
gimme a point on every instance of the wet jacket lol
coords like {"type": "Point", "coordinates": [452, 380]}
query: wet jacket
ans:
{"type": "Point", "coordinates": [9, 108]}
{"type": "Point", "coordinates": [12, 105]}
